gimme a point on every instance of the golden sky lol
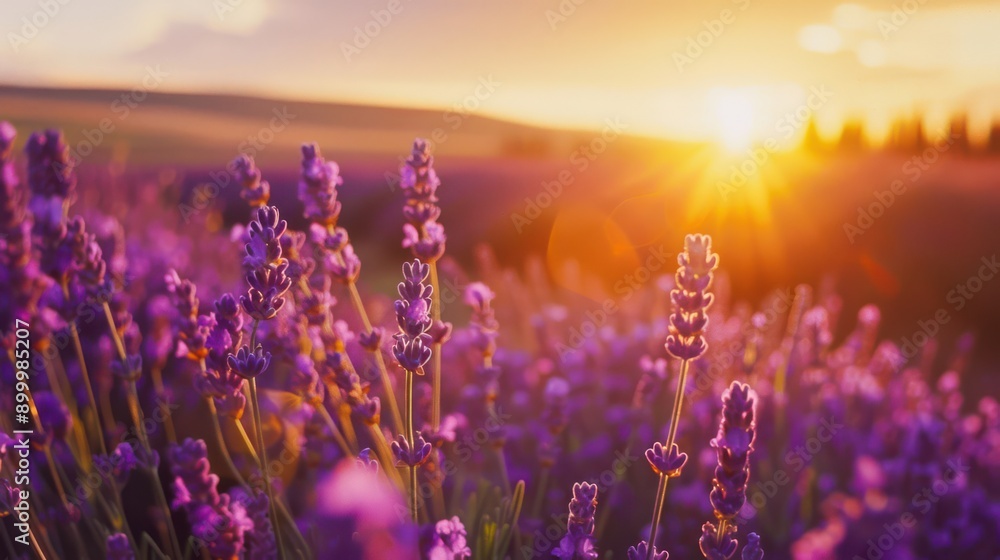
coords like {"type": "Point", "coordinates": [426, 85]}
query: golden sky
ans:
{"type": "Point", "coordinates": [723, 69]}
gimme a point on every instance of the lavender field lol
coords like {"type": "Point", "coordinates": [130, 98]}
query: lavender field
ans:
{"type": "Point", "coordinates": [444, 281]}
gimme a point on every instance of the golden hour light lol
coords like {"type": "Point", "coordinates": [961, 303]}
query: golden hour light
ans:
{"type": "Point", "coordinates": [699, 279]}
{"type": "Point", "coordinates": [734, 113]}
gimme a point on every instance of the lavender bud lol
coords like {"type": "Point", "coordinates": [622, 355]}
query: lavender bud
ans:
{"type": "Point", "coordinates": [411, 457]}
{"type": "Point", "coordinates": [641, 551]}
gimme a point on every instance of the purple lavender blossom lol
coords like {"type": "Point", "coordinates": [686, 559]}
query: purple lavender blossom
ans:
{"type": "Point", "coordinates": [247, 364]}
{"type": "Point", "coordinates": [422, 233]}
{"type": "Point", "coordinates": [752, 550]}
{"type": "Point", "coordinates": [716, 546]}
{"type": "Point", "coordinates": [304, 381]}
{"type": "Point", "coordinates": [52, 181]}
{"type": "Point", "coordinates": [10, 496]}
{"type": "Point", "coordinates": [411, 457]}
{"type": "Point", "coordinates": [118, 465]}
{"type": "Point", "coordinates": [367, 408]}
{"type": "Point", "coordinates": [483, 323]}
{"type": "Point", "coordinates": [666, 462]}
{"type": "Point", "coordinates": [734, 443]}
{"type": "Point", "coordinates": [367, 460]}
{"type": "Point", "coordinates": [266, 268]}
{"type": "Point", "coordinates": [641, 552]}
{"type": "Point", "coordinates": [691, 298]}
{"type": "Point", "coordinates": [213, 522]}
{"type": "Point", "coordinates": [260, 541]}
{"type": "Point", "coordinates": [318, 187]}
{"type": "Point", "coordinates": [372, 341]}
{"type": "Point", "coordinates": [225, 387]}
{"type": "Point", "coordinates": [229, 316]}
{"type": "Point", "coordinates": [578, 543]}
{"type": "Point", "coordinates": [412, 347]}
{"type": "Point", "coordinates": [54, 416]}
{"type": "Point", "coordinates": [255, 191]}
{"type": "Point", "coordinates": [446, 540]}
{"type": "Point", "coordinates": [118, 547]}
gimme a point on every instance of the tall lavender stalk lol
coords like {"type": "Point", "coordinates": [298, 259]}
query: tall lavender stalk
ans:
{"type": "Point", "coordinates": [686, 342]}
{"type": "Point", "coordinates": [412, 351]}
{"type": "Point", "coordinates": [578, 543]}
{"type": "Point", "coordinates": [266, 275]}
{"type": "Point", "coordinates": [318, 185]}
{"type": "Point", "coordinates": [425, 237]}
{"type": "Point", "coordinates": [734, 443]}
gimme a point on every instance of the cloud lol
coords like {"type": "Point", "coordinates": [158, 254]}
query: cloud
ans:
{"type": "Point", "coordinates": [67, 29]}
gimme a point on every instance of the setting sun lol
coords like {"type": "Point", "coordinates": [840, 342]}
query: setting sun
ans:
{"type": "Point", "coordinates": [734, 112]}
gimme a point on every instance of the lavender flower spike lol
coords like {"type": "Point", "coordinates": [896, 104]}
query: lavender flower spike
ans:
{"type": "Point", "coordinates": [412, 347]}
{"type": "Point", "coordinates": [422, 233]}
{"type": "Point", "coordinates": [255, 191]}
{"type": "Point", "coordinates": [685, 342]}
{"type": "Point", "coordinates": [691, 298]}
{"type": "Point", "coordinates": [752, 550]}
{"type": "Point", "coordinates": [734, 443]}
{"type": "Point", "coordinates": [318, 187]}
{"type": "Point", "coordinates": [266, 268]}
{"type": "Point", "coordinates": [578, 544]}
{"type": "Point", "coordinates": [447, 541]}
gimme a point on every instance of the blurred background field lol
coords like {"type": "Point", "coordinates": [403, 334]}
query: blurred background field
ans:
{"type": "Point", "coordinates": [797, 219]}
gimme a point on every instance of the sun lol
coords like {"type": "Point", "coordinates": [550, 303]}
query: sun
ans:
{"type": "Point", "coordinates": [734, 113]}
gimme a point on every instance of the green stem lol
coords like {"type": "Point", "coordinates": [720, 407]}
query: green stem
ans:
{"type": "Point", "coordinates": [161, 396]}
{"type": "Point", "coordinates": [543, 481]}
{"type": "Point", "coordinates": [408, 403]}
{"type": "Point", "coordinates": [94, 417]}
{"type": "Point", "coordinates": [436, 354]}
{"type": "Point", "coordinates": [136, 411]}
{"type": "Point", "coordinates": [227, 457]}
{"type": "Point", "coordinates": [661, 491]}
{"type": "Point", "coordinates": [379, 361]}
{"type": "Point", "coordinates": [261, 448]}
{"type": "Point", "coordinates": [334, 430]}
{"type": "Point", "coordinates": [11, 553]}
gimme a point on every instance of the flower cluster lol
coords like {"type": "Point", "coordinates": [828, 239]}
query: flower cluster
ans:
{"type": "Point", "coordinates": [446, 540]}
{"type": "Point", "coordinates": [691, 298]}
{"type": "Point", "coordinates": [265, 266]}
{"type": "Point", "coordinates": [219, 527]}
{"type": "Point", "coordinates": [578, 543]}
{"type": "Point", "coordinates": [118, 547]}
{"type": "Point", "coordinates": [733, 444]}
{"type": "Point", "coordinates": [318, 182]}
{"type": "Point", "coordinates": [413, 345]}
{"type": "Point", "coordinates": [255, 191]}
{"type": "Point", "coordinates": [422, 233]}
{"type": "Point", "coordinates": [483, 324]}
{"type": "Point", "coordinates": [52, 180]}
{"type": "Point", "coordinates": [863, 428]}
